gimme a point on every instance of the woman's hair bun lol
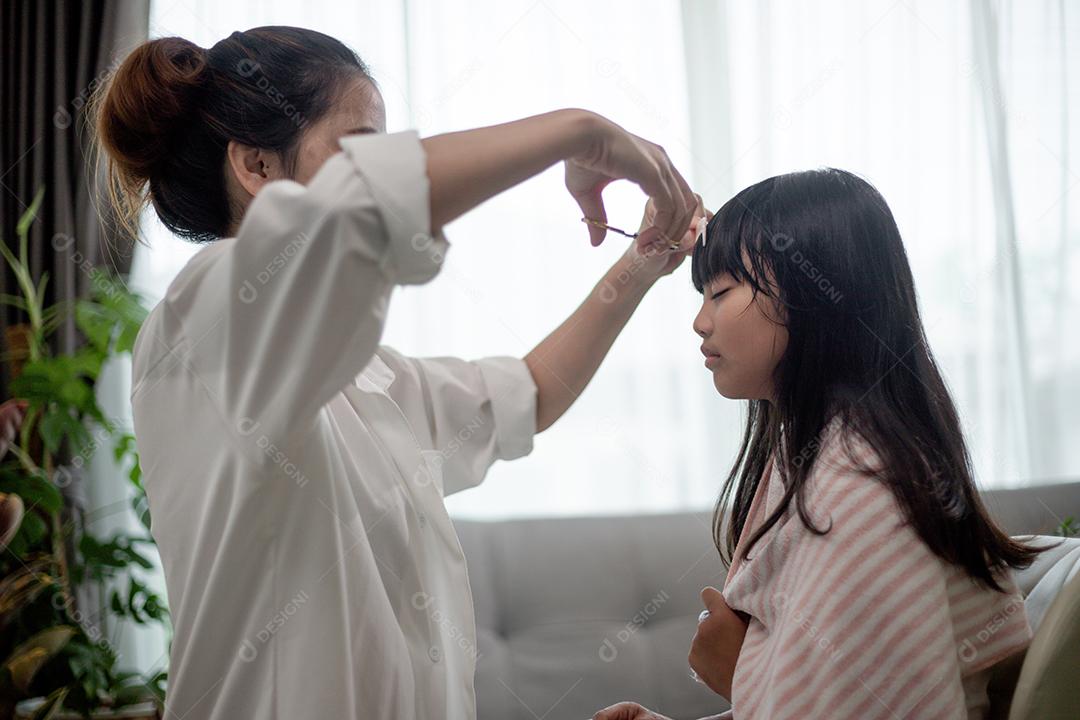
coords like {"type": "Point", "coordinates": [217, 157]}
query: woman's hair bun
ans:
{"type": "Point", "coordinates": [151, 96]}
{"type": "Point", "coordinates": [164, 120]}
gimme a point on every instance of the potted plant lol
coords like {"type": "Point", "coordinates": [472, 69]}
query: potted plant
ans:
{"type": "Point", "coordinates": [48, 648]}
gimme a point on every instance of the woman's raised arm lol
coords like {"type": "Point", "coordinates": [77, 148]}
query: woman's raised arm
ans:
{"type": "Point", "coordinates": [466, 168]}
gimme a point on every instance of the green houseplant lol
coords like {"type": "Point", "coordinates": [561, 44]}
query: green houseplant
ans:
{"type": "Point", "coordinates": [47, 646]}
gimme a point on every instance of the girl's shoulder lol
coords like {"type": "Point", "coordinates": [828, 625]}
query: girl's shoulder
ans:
{"type": "Point", "coordinates": [844, 478]}
{"type": "Point", "coordinates": [842, 455]}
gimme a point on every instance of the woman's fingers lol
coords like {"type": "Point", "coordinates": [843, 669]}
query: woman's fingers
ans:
{"type": "Point", "coordinates": [691, 201]}
{"type": "Point", "coordinates": [616, 154]}
{"type": "Point", "coordinates": [587, 187]}
{"type": "Point", "coordinates": [691, 235]}
{"type": "Point", "coordinates": [671, 203]}
{"type": "Point", "coordinates": [685, 202]}
{"type": "Point", "coordinates": [675, 231]}
{"type": "Point", "coordinates": [665, 206]}
{"type": "Point", "coordinates": [12, 413]}
{"type": "Point", "coordinates": [621, 711]}
{"type": "Point", "coordinates": [650, 243]}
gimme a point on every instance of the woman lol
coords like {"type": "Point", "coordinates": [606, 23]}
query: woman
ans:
{"type": "Point", "coordinates": [295, 468]}
{"type": "Point", "coordinates": [878, 587]}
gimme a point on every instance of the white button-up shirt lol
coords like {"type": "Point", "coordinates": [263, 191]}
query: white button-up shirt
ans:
{"type": "Point", "coordinates": [296, 469]}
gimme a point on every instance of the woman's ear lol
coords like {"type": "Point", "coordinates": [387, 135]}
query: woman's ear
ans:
{"type": "Point", "coordinates": [251, 167]}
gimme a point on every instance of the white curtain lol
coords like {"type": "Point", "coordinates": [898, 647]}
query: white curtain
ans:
{"type": "Point", "coordinates": [959, 113]}
{"type": "Point", "coordinates": [895, 91]}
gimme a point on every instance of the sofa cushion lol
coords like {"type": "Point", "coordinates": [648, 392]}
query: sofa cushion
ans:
{"type": "Point", "coordinates": [1047, 686]}
{"type": "Point", "coordinates": [574, 614]}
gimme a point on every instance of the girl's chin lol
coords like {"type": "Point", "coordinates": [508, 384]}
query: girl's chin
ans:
{"type": "Point", "coordinates": [729, 391]}
{"type": "Point", "coordinates": [722, 387]}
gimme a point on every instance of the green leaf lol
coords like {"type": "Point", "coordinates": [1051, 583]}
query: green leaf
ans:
{"type": "Point", "coordinates": [116, 604]}
{"type": "Point", "coordinates": [34, 488]}
{"type": "Point", "coordinates": [155, 608]}
{"type": "Point", "coordinates": [28, 217]}
{"type": "Point", "coordinates": [53, 428]}
{"type": "Point", "coordinates": [125, 445]}
{"type": "Point", "coordinates": [18, 546]}
{"type": "Point", "coordinates": [43, 281]}
{"type": "Point", "coordinates": [135, 475]}
{"type": "Point", "coordinates": [114, 312]}
{"type": "Point", "coordinates": [104, 559]}
{"type": "Point", "coordinates": [75, 391]}
{"type": "Point", "coordinates": [9, 256]}
{"type": "Point", "coordinates": [141, 505]}
{"type": "Point", "coordinates": [13, 300]}
{"type": "Point", "coordinates": [86, 363]}
{"type": "Point", "coordinates": [92, 319]}
{"type": "Point", "coordinates": [157, 684]}
{"type": "Point", "coordinates": [59, 309]}
{"type": "Point", "coordinates": [132, 601]}
{"type": "Point", "coordinates": [33, 528]}
{"type": "Point", "coordinates": [34, 383]}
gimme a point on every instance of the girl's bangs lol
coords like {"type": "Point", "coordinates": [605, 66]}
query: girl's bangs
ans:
{"type": "Point", "coordinates": [733, 236]}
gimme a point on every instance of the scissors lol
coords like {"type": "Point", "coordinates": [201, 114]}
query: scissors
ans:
{"type": "Point", "coordinates": [702, 224]}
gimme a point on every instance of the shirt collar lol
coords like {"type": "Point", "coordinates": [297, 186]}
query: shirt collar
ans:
{"type": "Point", "coordinates": [376, 377]}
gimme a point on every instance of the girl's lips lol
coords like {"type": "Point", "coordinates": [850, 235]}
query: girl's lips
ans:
{"type": "Point", "coordinates": [711, 361]}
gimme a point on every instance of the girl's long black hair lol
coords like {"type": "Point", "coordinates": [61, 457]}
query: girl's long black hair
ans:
{"type": "Point", "coordinates": [857, 351]}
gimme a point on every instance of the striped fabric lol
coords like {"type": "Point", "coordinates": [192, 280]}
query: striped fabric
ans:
{"type": "Point", "coordinates": [865, 621]}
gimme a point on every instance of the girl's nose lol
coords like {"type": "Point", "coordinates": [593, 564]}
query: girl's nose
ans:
{"type": "Point", "coordinates": [700, 325]}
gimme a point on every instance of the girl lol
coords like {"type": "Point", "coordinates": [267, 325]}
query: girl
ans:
{"type": "Point", "coordinates": [866, 579]}
{"type": "Point", "coordinates": [295, 467]}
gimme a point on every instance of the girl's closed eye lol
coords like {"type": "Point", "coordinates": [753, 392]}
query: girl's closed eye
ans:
{"type": "Point", "coordinates": [716, 295]}
{"type": "Point", "coordinates": [721, 285]}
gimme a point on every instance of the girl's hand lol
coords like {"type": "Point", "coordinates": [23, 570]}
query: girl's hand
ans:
{"type": "Point", "coordinates": [716, 644]}
{"type": "Point", "coordinates": [628, 711]}
{"type": "Point", "coordinates": [614, 154]}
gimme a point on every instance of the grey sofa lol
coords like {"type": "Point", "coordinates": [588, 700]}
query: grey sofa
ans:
{"type": "Point", "coordinates": [574, 614]}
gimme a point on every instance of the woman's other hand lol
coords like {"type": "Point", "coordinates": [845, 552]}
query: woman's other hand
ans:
{"type": "Point", "coordinates": [628, 711]}
{"type": "Point", "coordinates": [661, 261]}
{"type": "Point", "coordinates": [11, 417]}
{"type": "Point", "coordinates": [716, 644]}
{"type": "Point", "coordinates": [615, 154]}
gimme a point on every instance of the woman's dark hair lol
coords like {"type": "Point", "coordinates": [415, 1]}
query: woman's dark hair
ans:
{"type": "Point", "coordinates": [167, 114]}
{"type": "Point", "coordinates": [823, 245]}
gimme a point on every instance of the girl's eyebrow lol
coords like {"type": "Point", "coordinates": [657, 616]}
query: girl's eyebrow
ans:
{"type": "Point", "coordinates": [720, 276]}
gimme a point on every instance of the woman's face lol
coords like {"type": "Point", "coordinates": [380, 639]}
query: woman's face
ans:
{"type": "Point", "coordinates": [359, 109]}
{"type": "Point", "coordinates": [743, 338]}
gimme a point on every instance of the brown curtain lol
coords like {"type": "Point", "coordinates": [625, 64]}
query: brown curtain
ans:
{"type": "Point", "coordinates": [53, 54]}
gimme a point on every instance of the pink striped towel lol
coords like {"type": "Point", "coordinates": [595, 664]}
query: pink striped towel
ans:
{"type": "Point", "coordinates": [865, 621]}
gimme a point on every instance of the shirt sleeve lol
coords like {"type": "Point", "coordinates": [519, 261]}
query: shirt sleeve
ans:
{"type": "Point", "coordinates": [280, 318]}
{"type": "Point", "coordinates": [476, 411]}
{"type": "Point", "coordinates": [862, 627]}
